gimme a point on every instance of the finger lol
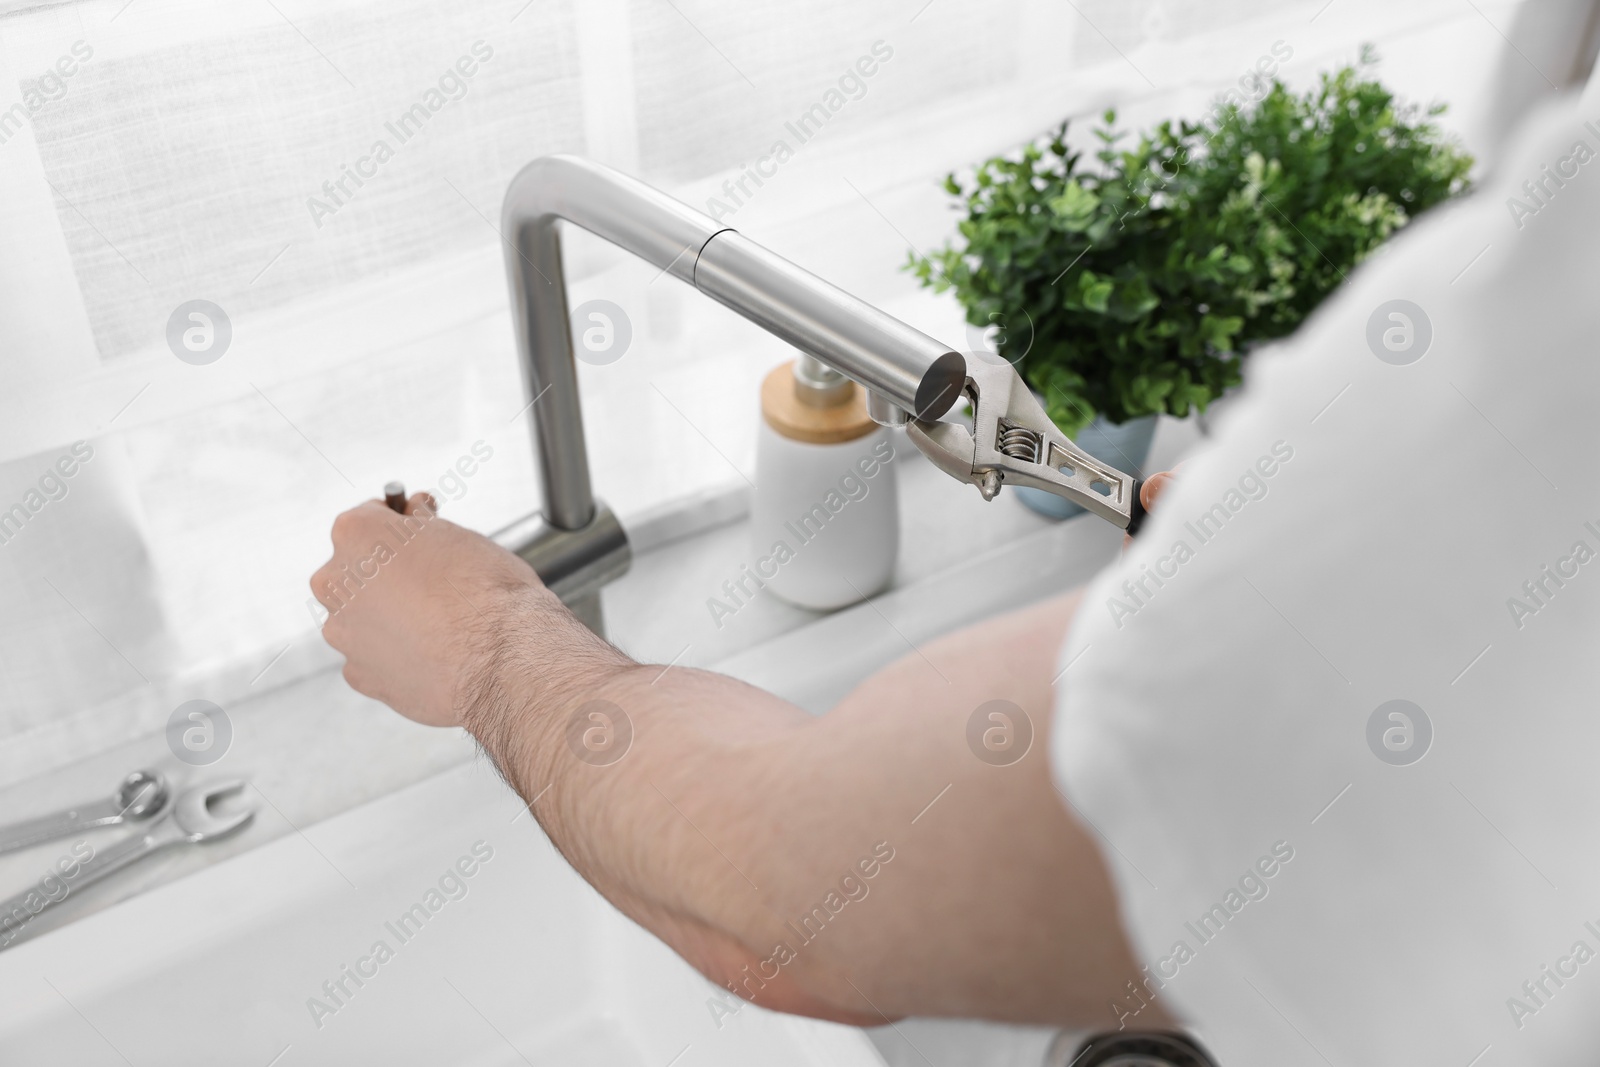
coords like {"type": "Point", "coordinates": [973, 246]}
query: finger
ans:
{"type": "Point", "coordinates": [357, 679]}
{"type": "Point", "coordinates": [1153, 487]}
{"type": "Point", "coordinates": [321, 584]}
{"type": "Point", "coordinates": [324, 589]}
{"type": "Point", "coordinates": [1149, 490]}
{"type": "Point", "coordinates": [422, 504]}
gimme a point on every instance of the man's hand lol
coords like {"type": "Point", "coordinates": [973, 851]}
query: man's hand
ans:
{"type": "Point", "coordinates": [418, 605]}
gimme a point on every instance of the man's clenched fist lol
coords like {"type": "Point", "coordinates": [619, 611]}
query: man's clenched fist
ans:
{"type": "Point", "coordinates": [418, 605]}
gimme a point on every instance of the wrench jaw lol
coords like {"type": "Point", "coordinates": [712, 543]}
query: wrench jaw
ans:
{"type": "Point", "coordinates": [1013, 441]}
{"type": "Point", "coordinates": [198, 822]}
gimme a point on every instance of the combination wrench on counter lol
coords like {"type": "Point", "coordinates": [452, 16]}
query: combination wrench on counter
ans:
{"type": "Point", "coordinates": [188, 821]}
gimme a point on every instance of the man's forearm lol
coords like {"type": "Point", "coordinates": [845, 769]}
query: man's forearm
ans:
{"type": "Point", "coordinates": [742, 830]}
{"type": "Point", "coordinates": [621, 816]}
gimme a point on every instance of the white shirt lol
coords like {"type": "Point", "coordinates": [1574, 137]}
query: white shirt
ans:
{"type": "Point", "coordinates": [1362, 530]}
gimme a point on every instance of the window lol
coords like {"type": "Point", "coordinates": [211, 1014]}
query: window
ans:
{"type": "Point", "coordinates": [155, 154]}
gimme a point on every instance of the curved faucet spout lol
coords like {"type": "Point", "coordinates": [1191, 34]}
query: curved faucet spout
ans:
{"type": "Point", "coordinates": [910, 378]}
{"type": "Point", "coordinates": [907, 368]}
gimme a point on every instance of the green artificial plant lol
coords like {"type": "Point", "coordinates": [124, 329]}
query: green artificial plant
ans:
{"type": "Point", "coordinates": [1135, 286]}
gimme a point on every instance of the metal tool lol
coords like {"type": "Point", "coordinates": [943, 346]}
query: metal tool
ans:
{"type": "Point", "coordinates": [394, 494]}
{"type": "Point", "coordinates": [1012, 441]}
{"type": "Point", "coordinates": [141, 795]}
{"type": "Point", "coordinates": [189, 821]}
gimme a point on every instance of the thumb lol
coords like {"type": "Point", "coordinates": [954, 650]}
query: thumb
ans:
{"type": "Point", "coordinates": [1153, 487]}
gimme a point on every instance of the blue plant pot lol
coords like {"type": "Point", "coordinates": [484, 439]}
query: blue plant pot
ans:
{"type": "Point", "coordinates": [1124, 446]}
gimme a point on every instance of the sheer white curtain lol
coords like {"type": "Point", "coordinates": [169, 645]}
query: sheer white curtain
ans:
{"type": "Point", "coordinates": [158, 152]}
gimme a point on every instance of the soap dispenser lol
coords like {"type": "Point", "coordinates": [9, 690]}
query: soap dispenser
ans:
{"type": "Point", "coordinates": [826, 514]}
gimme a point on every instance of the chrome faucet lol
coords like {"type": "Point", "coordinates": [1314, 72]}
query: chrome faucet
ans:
{"type": "Point", "coordinates": [576, 543]}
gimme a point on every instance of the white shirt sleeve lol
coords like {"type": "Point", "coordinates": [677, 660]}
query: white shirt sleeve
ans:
{"type": "Point", "coordinates": [1403, 507]}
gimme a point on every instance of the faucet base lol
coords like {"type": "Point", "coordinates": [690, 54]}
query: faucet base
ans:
{"type": "Point", "coordinates": [573, 564]}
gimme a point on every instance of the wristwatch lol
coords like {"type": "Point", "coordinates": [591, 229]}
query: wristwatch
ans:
{"type": "Point", "coordinates": [1148, 1049]}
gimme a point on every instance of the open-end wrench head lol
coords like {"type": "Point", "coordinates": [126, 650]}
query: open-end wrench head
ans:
{"type": "Point", "coordinates": [198, 822]}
